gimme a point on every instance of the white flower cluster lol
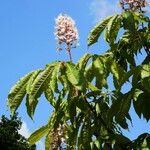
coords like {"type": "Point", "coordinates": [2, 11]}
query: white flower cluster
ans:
{"type": "Point", "coordinates": [66, 31]}
{"type": "Point", "coordinates": [133, 4]}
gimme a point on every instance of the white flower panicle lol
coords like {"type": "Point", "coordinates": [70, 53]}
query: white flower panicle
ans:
{"type": "Point", "coordinates": [66, 31]}
{"type": "Point", "coordinates": [135, 5]}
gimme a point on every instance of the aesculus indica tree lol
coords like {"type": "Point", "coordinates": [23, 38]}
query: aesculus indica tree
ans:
{"type": "Point", "coordinates": [87, 113]}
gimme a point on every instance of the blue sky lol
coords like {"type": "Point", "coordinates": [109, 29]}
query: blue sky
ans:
{"type": "Point", "coordinates": [27, 42]}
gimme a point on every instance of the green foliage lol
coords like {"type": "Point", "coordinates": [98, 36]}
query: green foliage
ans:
{"type": "Point", "coordinates": [97, 30]}
{"type": "Point", "coordinates": [10, 139]}
{"type": "Point", "coordinates": [91, 111]}
{"type": "Point", "coordinates": [37, 135]}
{"type": "Point", "coordinates": [18, 92]}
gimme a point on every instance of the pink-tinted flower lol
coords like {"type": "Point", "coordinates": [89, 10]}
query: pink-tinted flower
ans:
{"type": "Point", "coordinates": [133, 4]}
{"type": "Point", "coordinates": [66, 31]}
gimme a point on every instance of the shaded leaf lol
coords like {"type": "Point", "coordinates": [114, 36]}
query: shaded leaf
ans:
{"type": "Point", "coordinates": [141, 105]}
{"type": "Point", "coordinates": [128, 21]}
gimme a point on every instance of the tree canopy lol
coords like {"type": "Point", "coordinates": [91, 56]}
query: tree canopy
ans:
{"type": "Point", "coordinates": [10, 139]}
{"type": "Point", "coordinates": [87, 113]}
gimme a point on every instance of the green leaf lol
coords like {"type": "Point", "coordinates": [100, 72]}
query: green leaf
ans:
{"type": "Point", "coordinates": [99, 71]}
{"type": "Point", "coordinates": [117, 72]}
{"type": "Point", "coordinates": [125, 105]}
{"type": "Point", "coordinates": [141, 105]}
{"type": "Point", "coordinates": [120, 108]}
{"type": "Point", "coordinates": [50, 96]}
{"type": "Point", "coordinates": [18, 92]}
{"type": "Point", "coordinates": [81, 64]}
{"type": "Point", "coordinates": [89, 75]}
{"type": "Point", "coordinates": [97, 143]}
{"type": "Point", "coordinates": [112, 29]}
{"type": "Point", "coordinates": [98, 110]}
{"type": "Point", "coordinates": [128, 21]}
{"type": "Point", "coordinates": [145, 71]}
{"type": "Point", "coordinates": [47, 143]}
{"type": "Point", "coordinates": [31, 80]}
{"type": "Point", "coordinates": [75, 76]}
{"type": "Point", "coordinates": [38, 134]}
{"type": "Point", "coordinates": [92, 87]}
{"type": "Point", "coordinates": [54, 78]}
{"type": "Point", "coordinates": [37, 88]}
{"type": "Point", "coordinates": [97, 30]}
{"type": "Point", "coordinates": [31, 109]}
{"type": "Point", "coordinates": [72, 108]}
{"type": "Point", "coordinates": [120, 139]}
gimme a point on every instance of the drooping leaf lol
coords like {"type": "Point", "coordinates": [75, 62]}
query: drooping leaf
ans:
{"type": "Point", "coordinates": [100, 71]}
{"type": "Point", "coordinates": [38, 134]}
{"type": "Point", "coordinates": [120, 107]}
{"type": "Point", "coordinates": [97, 30]}
{"type": "Point", "coordinates": [141, 105]}
{"type": "Point", "coordinates": [81, 64]}
{"type": "Point", "coordinates": [31, 109]}
{"type": "Point", "coordinates": [37, 88]}
{"type": "Point", "coordinates": [54, 78]}
{"type": "Point", "coordinates": [128, 21]}
{"type": "Point", "coordinates": [112, 29]}
{"type": "Point", "coordinates": [117, 72]}
{"type": "Point", "coordinates": [47, 142]}
{"type": "Point", "coordinates": [50, 96]}
{"type": "Point", "coordinates": [31, 80]}
{"type": "Point", "coordinates": [18, 92]}
{"type": "Point", "coordinates": [89, 75]}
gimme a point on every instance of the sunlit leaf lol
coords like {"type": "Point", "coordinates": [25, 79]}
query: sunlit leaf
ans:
{"type": "Point", "coordinates": [18, 92]}
{"type": "Point", "coordinates": [36, 89]}
{"type": "Point", "coordinates": [112, 29]}
{"type": "Point", "coordinates": [54, 78]}
{"type": "Point", "coordinates": [50, 96]}
{"type": "Point", "coordinates": [75, 76]}
{"type": "Point", "coordinates": [38, 134]}
{"type": "Point", "coordinates": [97, 30]}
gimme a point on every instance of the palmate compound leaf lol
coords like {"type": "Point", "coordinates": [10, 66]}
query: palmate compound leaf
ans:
{"type": "Point", "coordinates": [18, 92]}
{"type": "Point", "coordinates": [37, 88]}
{"type": "Point", "coordinates": [97, 30]}
{"type": "Point", "coordinates": [112, 29]}
{"type": "Point", "coordinates": [38, 134]}
{"type": "Point", "coordinates": [75, 76]}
